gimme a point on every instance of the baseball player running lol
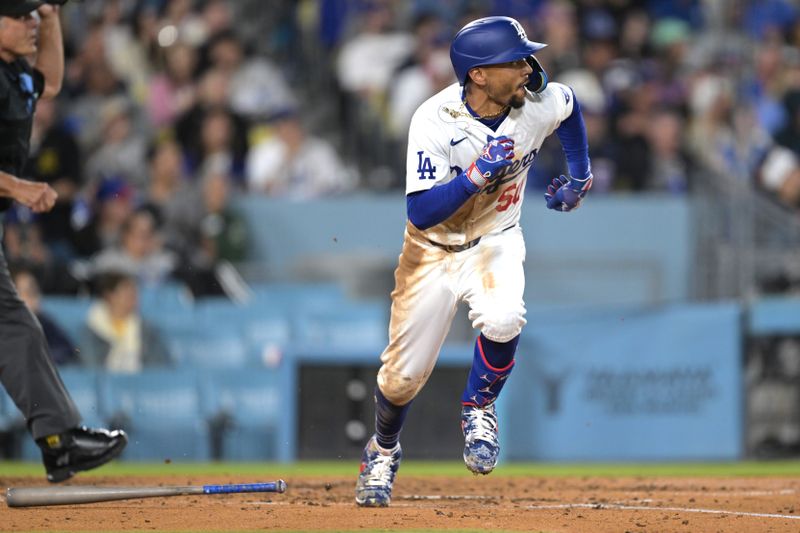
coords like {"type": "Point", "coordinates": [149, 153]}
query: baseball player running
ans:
{"type": "Point", "coordinates": [469, 150]}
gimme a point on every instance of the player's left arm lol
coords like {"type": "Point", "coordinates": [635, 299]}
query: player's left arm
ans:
{"type": "Point", "coordinates": [566, 193]}
{"type": "Point", "coordinates": [50, 54]}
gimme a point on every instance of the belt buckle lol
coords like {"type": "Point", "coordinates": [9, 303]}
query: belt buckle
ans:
{"type": "Point", "coordinates": [455, 248]}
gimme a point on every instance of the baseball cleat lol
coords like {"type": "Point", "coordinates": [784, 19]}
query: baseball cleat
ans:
{"type": "Point", "coordinates": [79, 449]}
{"type": "Point", "coordinates": [378, 469]}
{"type": "Point", "coordinates": [481, 444]}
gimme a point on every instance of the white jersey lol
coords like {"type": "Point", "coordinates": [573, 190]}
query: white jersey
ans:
{"type": "Point", "coordinates": [444, 139]}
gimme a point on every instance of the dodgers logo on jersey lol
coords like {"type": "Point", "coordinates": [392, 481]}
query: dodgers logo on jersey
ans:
{"type": "Point", "coordinates": [425, 168]}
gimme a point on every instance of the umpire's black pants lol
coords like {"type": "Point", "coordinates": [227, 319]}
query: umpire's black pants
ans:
{"type": "Point", "coordinates": [26, 370]}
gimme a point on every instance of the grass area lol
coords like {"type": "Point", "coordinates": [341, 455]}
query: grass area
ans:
{"type": "Point", "coordinates": [266, 471]}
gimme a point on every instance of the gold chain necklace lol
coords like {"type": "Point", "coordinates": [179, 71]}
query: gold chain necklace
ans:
{"type": "Point", "coordinates": [484, 117]}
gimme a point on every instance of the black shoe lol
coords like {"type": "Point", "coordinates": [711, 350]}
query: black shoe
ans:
{"type": "Point", "coordinates": [78, 449]}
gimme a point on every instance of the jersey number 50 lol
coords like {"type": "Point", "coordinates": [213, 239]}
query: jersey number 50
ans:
{"type": "Point", "coordinates": [510, 196]}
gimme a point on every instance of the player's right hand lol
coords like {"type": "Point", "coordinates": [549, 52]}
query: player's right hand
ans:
{"type": "Point", "coordinates": [497, 154]}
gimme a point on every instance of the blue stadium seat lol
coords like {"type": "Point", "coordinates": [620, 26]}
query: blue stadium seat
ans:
{"type": "Point", "coordinates": [240, 334]}
{"type": "Point", "coordinates": [83, 386]}
{"type": "Point", "coordinates": [10, 416]}
{"type": "Point", "coordinates": [355, 325]}
{"type": "Point", "coordinates": [161, 411]}
{"type": "Point", "coordinates": [258, 425]}
{"type": "Point", "coordinates": [171, 295]}
{"type": "Point", "coordinates": [223, 347]}
{"type": "Point", "coordinates": [168, 306]}
{"type": "Point", "coordinates": [293, 297]}
{"type": "Point", "coordinates": [69, 312]}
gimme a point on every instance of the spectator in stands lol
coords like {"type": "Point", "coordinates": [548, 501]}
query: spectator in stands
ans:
{"type": "Point", "coordinates": [116, 338]}
{"type": "Point", "coordinates": [172, 91]}
{"type": "Point", "coordinates": [62, 350]}
{"type": "Point", "coordinates": [193, 132]}
{"type": "Point", "coordinates": [365, 67]}
{"type": "Point", "coordinates": [55, 159]}
{"type": "Point", "coordinates": [258, 88]}
{"type": "Point", "coordinates": [789, 135]}
{"type": "Point", "coordinates": [221, 234]}
{"type": "Point", "coordinates": [413, 85]}
{"type": "Point", "coordinates": [141, 252]}
{"type": "Point", "coordinates": [23, 243]}
{"type": "Point", "coordinates": [367, 61]}
{"type": "Point", "coordinates": [167, 182]}
{"type": "Point", "coordinates": [293, 164]}
{"type": "Point", "coordinates": [779, 175]}
{"type": "Point", "coordinates": [711, 137]}
{"type": "Point", "coordinates": [559, 27]}
{"type": "Point", "coordinates": [93, 85]}
{"type": "Point", "coordinates": [669, 167]}
{"type": "Point", "coordinates": [127, 56]}
{"type": "Point", "coordinates": [123, 151]}
{"type": "Point", "coordinates": [217, 145]}
{"type": "Point", "coordinates": [101, 227]}
{"type": "Point", "coordinates": [208, 232]}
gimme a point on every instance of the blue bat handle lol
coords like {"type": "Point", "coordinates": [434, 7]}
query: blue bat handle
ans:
{"type": "Point", "coordinates": [278, 486]}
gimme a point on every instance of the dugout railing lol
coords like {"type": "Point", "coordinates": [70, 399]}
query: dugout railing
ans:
{"type": "Point", "coordinates": [747, 244]}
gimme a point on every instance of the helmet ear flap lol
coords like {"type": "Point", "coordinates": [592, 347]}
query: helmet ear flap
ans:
{"type": "Point", "coordinates": [537, 80]}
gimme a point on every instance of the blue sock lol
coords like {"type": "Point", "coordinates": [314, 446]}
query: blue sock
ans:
{"type": "Point", "coordinates": [491, 365]}
{"type": "Point", "coordinates": [389, 420]}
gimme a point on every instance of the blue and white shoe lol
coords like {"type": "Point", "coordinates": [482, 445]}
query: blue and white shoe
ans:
{"type": "Point", "coordinates": [481, 444]}
{"type": "Point", "coordinates": [378, 469]}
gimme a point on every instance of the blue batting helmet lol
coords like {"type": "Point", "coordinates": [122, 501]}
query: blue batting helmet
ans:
{"type": "Point", "coordinates": [490, 41]}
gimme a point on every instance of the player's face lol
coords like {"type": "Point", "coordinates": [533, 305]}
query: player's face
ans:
{"type": "Point", "coordinates": [505, 82]}
{"type": "Point", "coordinates": [18, 35]}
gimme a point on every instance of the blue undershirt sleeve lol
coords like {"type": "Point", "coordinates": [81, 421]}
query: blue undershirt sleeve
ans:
{"type": "Point", "coordinates": [572, 134]}
{"type": "Point", "coordinates": [427, 208]}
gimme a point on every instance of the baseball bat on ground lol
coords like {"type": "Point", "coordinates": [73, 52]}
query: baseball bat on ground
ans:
{"type": "Point", "coordinates": [36, 496]}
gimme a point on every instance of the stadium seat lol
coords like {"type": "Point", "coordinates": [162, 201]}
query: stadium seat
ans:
{"type": "Point", "coordinates": [170, 295]}
{"type": "Point", "coordinates": [69, 312]}
{"type": "Point", "coordinates": [223, 347]}
{"type": "Point", "coordinates": [160, 409]}
{"type": "Point", "coordinates": [293, 297]}
{"type": "Point", "coordinates": [354, 325]}
{"type": "Point", "coordinates": [248, 410]}
{"type": "Point", "coordinates": [82, 385]}
{"type": "Point", "coordinates": [13, 432]}
{"type": "Point", "coordinates": [9, 414]}
{"type": "Point", "coordinates": [258, 331]}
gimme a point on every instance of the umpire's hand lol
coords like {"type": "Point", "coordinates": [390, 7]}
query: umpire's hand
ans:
{"type": "Point", "coordinates": [40, 197]}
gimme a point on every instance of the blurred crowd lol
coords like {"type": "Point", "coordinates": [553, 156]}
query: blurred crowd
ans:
{"type": "Point", "coordinates": [173, 108]}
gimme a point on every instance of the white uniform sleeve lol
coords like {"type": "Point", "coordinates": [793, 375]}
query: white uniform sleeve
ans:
{"type": "Point", "coordinates": [564, 98]}
{"type": "Point", "coordinates": [427, 161]}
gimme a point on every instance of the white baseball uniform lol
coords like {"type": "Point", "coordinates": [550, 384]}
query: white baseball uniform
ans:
{"type": "Point", "coordinates": [476, 255]}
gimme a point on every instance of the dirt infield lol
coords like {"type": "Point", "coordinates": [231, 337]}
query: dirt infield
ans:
{"type": "Point", "coordinates": [493, 503]}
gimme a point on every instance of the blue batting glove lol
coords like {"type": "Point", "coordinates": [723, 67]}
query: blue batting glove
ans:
{"type": "Point", "coordinates": [565, 194]}
{"type": "Point", "coordinates": [497, 154]}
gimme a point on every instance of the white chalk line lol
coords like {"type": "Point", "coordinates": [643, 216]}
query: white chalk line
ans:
{"type": "Point", "coordinates": [622, 507]}
{"type": "Point", "coordinates": [446, 497]}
